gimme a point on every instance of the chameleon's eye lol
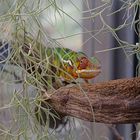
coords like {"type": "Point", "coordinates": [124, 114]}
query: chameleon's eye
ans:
{"type": "Point", "coordinates": [83, 63]}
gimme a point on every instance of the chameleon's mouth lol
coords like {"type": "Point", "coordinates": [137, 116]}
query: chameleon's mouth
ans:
{"type": "Point", "coordinates": [88, 74]}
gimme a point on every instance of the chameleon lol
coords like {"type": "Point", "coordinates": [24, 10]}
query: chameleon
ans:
{"type": "Point", "coordinates": [59, 65]}
{"type": "Point", "coordinates": [70, 65]}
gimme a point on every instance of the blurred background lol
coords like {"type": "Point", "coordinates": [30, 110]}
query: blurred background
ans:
{"type": "Point", "coordinates": [103, 28]}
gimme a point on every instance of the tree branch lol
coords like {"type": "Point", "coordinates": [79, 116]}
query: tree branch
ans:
{"type": "Point", "coordinates": [116, 101]}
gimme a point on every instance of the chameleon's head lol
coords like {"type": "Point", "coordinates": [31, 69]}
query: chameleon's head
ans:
{"type": "Point", "coordinates": [80, 66]}
{"type": "Point", "coordinates": [88, 68]}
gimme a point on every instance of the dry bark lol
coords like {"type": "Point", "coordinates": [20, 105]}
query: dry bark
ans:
{"type": "Point", "coordinates": [116, 101]}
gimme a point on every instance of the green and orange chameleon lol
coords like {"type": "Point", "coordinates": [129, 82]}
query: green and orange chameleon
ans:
{"type": "Point", "coordinates": [68, 64]}
{"type": "Point", "coordinates": [55, 67]}
{"type": "Point", "coordinates": [58, 64]}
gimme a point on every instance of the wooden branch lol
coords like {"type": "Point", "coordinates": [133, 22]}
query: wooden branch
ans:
{"type": "Point", "coordinates": [116, 101]}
